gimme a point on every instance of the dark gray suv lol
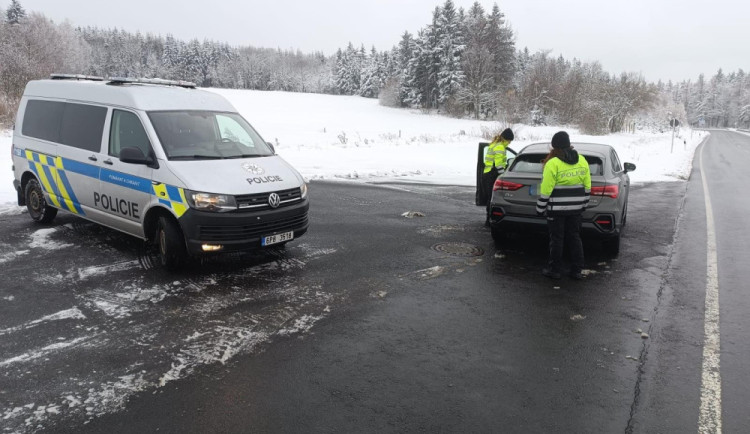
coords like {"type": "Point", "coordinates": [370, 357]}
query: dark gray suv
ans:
{"type": "Point", "coordinates": [514, 196]}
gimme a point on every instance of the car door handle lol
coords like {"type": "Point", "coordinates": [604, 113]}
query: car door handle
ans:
{"type": "Point", "coordinates": [92, 158]}
{"type": "Point", "coordinates": [108, 161]}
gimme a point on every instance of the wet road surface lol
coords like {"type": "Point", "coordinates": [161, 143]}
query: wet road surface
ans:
{"type": "Point", "coordinates": [370, 322]}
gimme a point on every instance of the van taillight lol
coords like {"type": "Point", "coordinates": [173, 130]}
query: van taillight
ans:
{"type": "Point", "coordinates": [506, 185]}
{"type": "Point", "coordinates": [608, 190]}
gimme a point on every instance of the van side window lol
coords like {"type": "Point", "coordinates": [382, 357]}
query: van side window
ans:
{"type": "Point", "coordinates": [76, 125]}
{"type": "Point", "coordinates": [42, 119]}
{"type": "Point", "coordinates": [127, 131]}
{"type": "Point", "coordinates": [229, 129]}
{"type": "Point", "coordinates": [82, 126]}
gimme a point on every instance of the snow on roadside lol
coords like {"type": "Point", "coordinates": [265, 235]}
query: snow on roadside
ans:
{"type": "Point", "coordinates": [352, 138]}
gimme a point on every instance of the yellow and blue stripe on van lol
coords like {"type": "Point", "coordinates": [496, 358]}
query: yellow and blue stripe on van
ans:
{"type": "Point", "coordinates": [52, 174]}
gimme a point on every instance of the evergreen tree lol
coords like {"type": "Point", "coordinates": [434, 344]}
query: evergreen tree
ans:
{"type": "Point", "coordinates": [477, 92]}
{"type": "Point", "coordinates": [15, 13]}
{"type": "Point", "coordinates": [450, 46]}
{"type": "Point", "coordinates": [502, 47]}
{"type": "Point", "coordinates": [415, 80]}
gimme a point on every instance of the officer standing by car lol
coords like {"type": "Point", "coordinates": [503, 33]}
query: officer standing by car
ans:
{"type": "Point", "coordinates": [494, 164]}
{"type": "Point", "coordinates": [563, 195]}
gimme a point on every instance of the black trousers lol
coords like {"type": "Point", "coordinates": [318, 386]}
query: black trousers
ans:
{"type": "Point", "coordinates": [564, 231]}
{"type": "Point", "coordinates": [488, 181]}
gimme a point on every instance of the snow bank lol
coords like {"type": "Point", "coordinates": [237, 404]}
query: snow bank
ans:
{"type": "Point", "coordinates": [353, 138]}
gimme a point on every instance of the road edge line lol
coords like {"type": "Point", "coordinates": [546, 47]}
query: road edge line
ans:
{"type": "Point", "coordinates": [709, 420]}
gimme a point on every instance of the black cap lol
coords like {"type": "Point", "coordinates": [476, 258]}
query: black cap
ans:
{"type": "Point", "coordinates": [507, 134]}
{"type": "Point", "coordinates": [560, 140]}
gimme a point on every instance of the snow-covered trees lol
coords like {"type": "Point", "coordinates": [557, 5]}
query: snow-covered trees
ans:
{"type": "Point", "coordinates": [461, 63]}
{"type": "Point", "coordinates": [31, 48]}
{"type": "Point", "coordinates": [721, 101]}
{"type": "Point", "coordinates": [15, 13]}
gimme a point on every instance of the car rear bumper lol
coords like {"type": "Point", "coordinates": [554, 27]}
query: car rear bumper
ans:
{"type": "Point", "coordinates": [591, 226]}
{"type": "Point", "coordinates": [241, 230]}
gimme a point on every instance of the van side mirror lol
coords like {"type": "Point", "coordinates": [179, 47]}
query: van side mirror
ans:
{"type": "Point", "coordinates": [134, 155]}
{"type": "Point", "coordinates": [270, 145]}
{"type": "Point", "coordinates": [629, 167]}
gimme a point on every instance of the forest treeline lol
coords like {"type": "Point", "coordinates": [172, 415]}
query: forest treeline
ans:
{"type": "Point", "coordinates": [463, 63]}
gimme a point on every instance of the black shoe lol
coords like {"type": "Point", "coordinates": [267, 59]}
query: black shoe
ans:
{"type": "Point", "coordinates": [577, 275]}
{"type": "Point", "coordinates": [551, 274]}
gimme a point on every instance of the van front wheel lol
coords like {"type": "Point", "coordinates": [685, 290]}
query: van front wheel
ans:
{"type": "Point", "coordinates": [171, 244]}
{"type": "Point", "coordinates": [36, 203]}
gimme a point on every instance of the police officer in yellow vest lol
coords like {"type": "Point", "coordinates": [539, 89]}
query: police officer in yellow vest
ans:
{"type": "Point", "coordinates": [563, 195]}
{"type": "Point", "coordinates": [494, 163]}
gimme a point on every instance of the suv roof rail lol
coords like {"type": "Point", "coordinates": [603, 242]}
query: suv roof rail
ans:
{"type": "Point", "coordinates": [75, 77]}
{"type": "Point", "coordinates": [124, 80]}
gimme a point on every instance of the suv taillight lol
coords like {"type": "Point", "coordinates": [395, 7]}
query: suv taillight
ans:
{"type": "Point", "coordinates": [506, 185]}
{"type": "Point", "coordinates": [608, 190]}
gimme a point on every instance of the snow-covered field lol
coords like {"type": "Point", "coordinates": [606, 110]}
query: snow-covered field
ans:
{"type": "Point", "coordinates": [353, 138]}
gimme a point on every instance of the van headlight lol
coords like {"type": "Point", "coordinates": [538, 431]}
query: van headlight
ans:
{"type": "Point", "coordinates": [303, 190]}
{"type": "Point", "coordinates": [211, 202]}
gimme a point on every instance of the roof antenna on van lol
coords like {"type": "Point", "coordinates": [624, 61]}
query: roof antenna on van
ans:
{"type": "Point", "coordinates": [75, 77]}
{"type": "Point", "coordinates": [158, 81]}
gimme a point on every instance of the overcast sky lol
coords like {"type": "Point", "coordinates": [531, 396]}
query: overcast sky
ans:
{"type": "Point", "coordinates": [662, 39]}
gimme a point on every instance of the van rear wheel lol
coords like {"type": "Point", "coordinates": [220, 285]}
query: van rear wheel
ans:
{"type": "Point", "coordinates": [36, 203]}
{"type": "Point", "coordinates": [171, 244]}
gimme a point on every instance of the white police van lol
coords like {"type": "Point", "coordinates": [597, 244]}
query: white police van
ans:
{"type": "Point", "coordinates": [156, 159]}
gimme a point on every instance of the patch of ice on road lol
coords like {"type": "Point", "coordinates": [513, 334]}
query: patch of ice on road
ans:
{"type": "Point", "coordinates": [301, 325]}
{"type": "Point", "coordinates": [441, 229]}
{"type": "Point", "coordinates": [43, 352]}
{"type": "Point", "coordinates": [73, 401]}
{"type": "Point", "coordinates": [97, 270]}
{"type": "Point", "coordinates": [10, 208]}
{"type": "Point", "coordinates": [113, 395]}
{"type": "Point", "coordinates": [12, 413]}
{"type": "Point", "coordinates": [50, 279]}
{"type": "Point", "coordinates": [217, 345]}
{"type": "Point", "coordinates": [8, 256]}
{"type": "Point", "coordinates": [72, 313]}
{"type": "Point", "coordinates": [40, 239]}
{"type": "Point", "coordinates": [111, 309]}
{"type": "Point", "coordinates": [312, 252]}
{"type": "Point", "coordinates": [412, 214]}
{"type": "Point", "coordinates": [429, 273]}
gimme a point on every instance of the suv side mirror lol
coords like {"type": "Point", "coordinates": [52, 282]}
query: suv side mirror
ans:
{"type": "Point", "coordinates": [629, 167]}
{"type": "Point", "coordinates": [270, 145]}
{"type": "Point", "coordinates": [134, 155]}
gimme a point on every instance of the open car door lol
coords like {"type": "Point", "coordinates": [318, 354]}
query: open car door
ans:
{"type": "Point", "coordinates": [481, 197]}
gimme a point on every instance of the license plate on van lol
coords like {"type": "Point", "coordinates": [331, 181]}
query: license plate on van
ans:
{"type": "Point", "coordinates": [278, 238]}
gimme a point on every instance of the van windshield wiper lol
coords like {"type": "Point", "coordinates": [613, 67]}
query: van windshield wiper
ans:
{"type": "Point", "coordinates": [196, 157]}
{"type": "Point", "coordinates": [247, 156]}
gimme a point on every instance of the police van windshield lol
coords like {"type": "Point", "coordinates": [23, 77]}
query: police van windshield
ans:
{"type": "Point", "coordinates": [203, 135]}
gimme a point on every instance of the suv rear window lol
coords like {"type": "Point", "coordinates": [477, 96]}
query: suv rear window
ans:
{"type": "Point", "coordinates": [532, 163]}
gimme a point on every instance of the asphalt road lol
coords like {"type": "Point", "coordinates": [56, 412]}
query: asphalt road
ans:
{"type": "Point", "coordinates": [375, 322]}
